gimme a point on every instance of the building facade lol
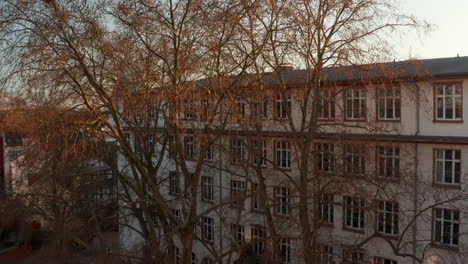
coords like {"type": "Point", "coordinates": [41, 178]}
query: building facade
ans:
{"type": "Point", "coordinates": [388, 168]}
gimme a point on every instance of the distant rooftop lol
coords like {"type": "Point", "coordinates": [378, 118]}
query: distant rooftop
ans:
{"type": "Point", "coordinates": [440, 67]}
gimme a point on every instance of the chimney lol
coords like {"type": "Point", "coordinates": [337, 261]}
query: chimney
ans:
{"type": "Point", "coordinates": [285, 67]}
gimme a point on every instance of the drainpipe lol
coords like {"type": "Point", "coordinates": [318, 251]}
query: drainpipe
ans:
{"type": "Point", "coordinates": [220, 200]}
{"type": "Point", "coordinates": [416, 168]}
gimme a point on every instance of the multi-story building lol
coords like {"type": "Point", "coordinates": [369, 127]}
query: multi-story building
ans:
{"type": "Point", "coordinates": [388, 166]}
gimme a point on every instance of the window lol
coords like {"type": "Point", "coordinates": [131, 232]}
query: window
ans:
{"type": "Point", "coordinates": [259, 152]}
{"type": "Point", "coordinates": [446, 227]}
{"type": "Point", "coordinates": [448, 166]}
{"type": "Point", "coordinates": [207, 188]}
{"type": "Point", "coordinates": [205, 109]}
{"type": "Point", "coordinates": [177, 256]}
{"type": "Point", "coordinates": [388, 162]}
{"type": "Point", "coordinates": [283, 200]}
{"type": "Point", "coordinates": [194, 258]}
{"type": "Point", "coordinates": [257, 205]}
{"type": "Point", "coordinates": [448, 101]}
{"type": "Point", "coordinates": [355, 257]}
{"type": "Point", "coordinates": [387, 218]}
{"type": "Point", "coordinates": [207, 228]}
{"type": "Point", "coordinates": [325, 254]}
{"type": "Point", "coordinates": [285, 245]}
{"type": "Point", "coordinates": [283, 154]}
{"type": "Point", "coordinates": [355, 159]}
{"type": "Point", "coordinates": [283, 105]}
{"type": "Point", "coordinates": [237, 192]}
{"type": "Point", "coordinates": [150, 142]}
{"type": "Point", "coordinates": [171, 146]}
{"type": "Point", "coordinates": [326, 157]}
{"type": "Point", "coordinates": [389, 106]}
{"type": "Point", "coordinates": [154, 217]}
{"type": "Point", "coordinates": [209, 154]}
{"type": "Point", "coordinates": [189, 147]}
{"type": "Point", "coordinates": [174, 182]}
{"type": "Point", "coordinates": [326, 105]}
{"type": "Point", "coordinates": [354, 213]}
{"type": "Point", "coordinates": [238, 233]}
{"type": "Point", "coordinates": [128, 137]}
{"type": "Point", "coordinates": [238, 150]}
{"type": "Point", "coordinates": [326, 208]}
{"type": "Point", "coordinates": [356, 103]}
{"type": "Point", "coordinates": [259, 238]}
{"type": "Point", "coordinates": [189, 110]}
{"type": "Point", "coordinates": [259, 110]}
{"type": "Point", "coordinates": [241, 109]}
{"type": "Point", "coordinates": [379, 260]}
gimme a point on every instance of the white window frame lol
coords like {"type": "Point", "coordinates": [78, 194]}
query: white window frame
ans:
{"type": "Point", "coordinates": [174, 182]}
{"type": "Point", "coordinates": [189, 110]}
{"type": "Point", "coordinates": [209, 155]}
{"type": "Point", "coordinates": [355, 104]}
{"type": "Point", "coordinates": [263, 152]}
{"type": "Point", "coordinates": [443, 98]}
{"type": "Point", "coordinates": [380, 260]}
{"type": "Point", "coordinates": [388, 218]}
{"type": "Point", "coordinates": [259, 110]}
{"type": "Point", "coordinates": [443, 218]}
{"type": "Point", "coordinates": [283, 154]}
{"type": "Point", "coordinates": [282, 200]}
{"type": "Point", "coordinates": [238, 189]}
{"type": "Point", "coordinates": [326, 105]}
{"type": "Point", "coordinates": [389, 103]}
{"type": "Point", "coordinates": [326, 157]}
{"type": "Point", "coordinates": [256, 201]}
{"type": "Point", "coordinates": [354, 207]}
{"type": "Point", "coordinates": [241, 107]}
{"type": "Point", "coordinates": [258, 235]}
{"type": "Point", "coordinates": [441, 167]}
{"type": "Point", "coordinates": [355, 153]}
{"type": "Point", "coordinates": [177, 255]}
{"type": "Point", "coordinates": [208, 228]}
{"type": "Point", "coordinates": [285, 245]}
{"type": "Point", "coordinates": [238, 148]}
{"type": "Point", "coordinates": [326, 254]}
{"type": "Point", "coordinates": [326, 208]}
{"type": "Point", "coordinates": [208, 188]}
{"type": "Point", "coordinates": [388, 162]}
{"type": "Point", "coordinates": [283, 105]}
{"type": "Point", "coordinates": [238, 234]}
{"type": "Point", "coordinates": [189, 147]}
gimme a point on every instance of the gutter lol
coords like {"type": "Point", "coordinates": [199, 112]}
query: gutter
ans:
{"type": "Point", "coordinates": [416, 169]}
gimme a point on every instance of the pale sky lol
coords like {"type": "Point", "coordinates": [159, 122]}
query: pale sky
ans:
{"type": "Point", "coordinates": [449, 36]}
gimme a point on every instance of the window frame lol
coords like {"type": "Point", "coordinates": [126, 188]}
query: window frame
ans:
{"type": "Point", "coordinates": [444, 119]}
{"type": "Point", "coordinates": [361, 208]}
{"type": "Point", "coordinates": [207, 228]}
{"type": "Point", "coordinates": [258, 235]}
{"type": "Point", "coordinates": [396, 100]}
{"type": "Point", "coordinates": [237, 193]}
{"type": "Point", "coordinates": [326, 153]}
{"type": "Point", "coordinates": [283, 150]}
{"type": "Point", "coordinates": [238, 234]}
{"type": "Point", "coordinates": [207, 188]}
{"type": "Point", "coordinates": [382, 260]}
{"type": "Point", "coordinates": [283, 105]}
{"type": "Point", "coordinates": [394, 214]}
{"type": "Point", "coordinates": [255, 198]}
{"type": "Point", "coordinates": [282, 200]}
{"type": "Point", "coordinates": [189, 147]}
{"type": "Point", "coordinates": [286, 246]}
{"type": "Point", "coordinates": [361, 153]}
{"type": "Point", "coordinates": [330, 101]}
{"type": "Point", "coordinates": [263, 152]}
{"type": "Point", "coordinates": [326, 209]}
{"type": "Point", "coordinates": [383, 158]}
{"type": "Point", "coordinates": [436, 160]}
{"type": "Point", "coordinates": [238, 155]}
{"type": "Point", "coordinates": [174, 183]}
{"type": "Point", "coordinates": [434, 228]}
{"type": "Point", "coordinates": [362, 99]}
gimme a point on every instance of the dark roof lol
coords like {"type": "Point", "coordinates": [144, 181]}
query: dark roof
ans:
{"type": "Point", "coordinates": [399, 70]}
{"type": "Point", "coordinates": [441, 67]}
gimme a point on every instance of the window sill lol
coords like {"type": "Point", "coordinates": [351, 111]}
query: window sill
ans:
{"type": "Point", "coordinates": [443, 246]}
{"type": "Point", "coordinates": [454, 121]}
{"type": "Point", "coordinates": [388, 236]}
{"type": "Point", "coordinates": [446, 186]}
{"type": "Point", "coordinates": [389, 120]}
{"type": "Point", "coordinates": [354, 230]}
{"type": "Point", "coordinates": [355, 120]}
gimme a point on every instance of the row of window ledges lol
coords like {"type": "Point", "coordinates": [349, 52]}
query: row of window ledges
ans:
{"type": "Point", "coordinates": [326, 254]}
{"type": "Point", "coordinates": [447, 162]}
{"type": "Point", "coordinates": [448, 105]}
{"type": "Point", "coordinates": [386, 212]}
